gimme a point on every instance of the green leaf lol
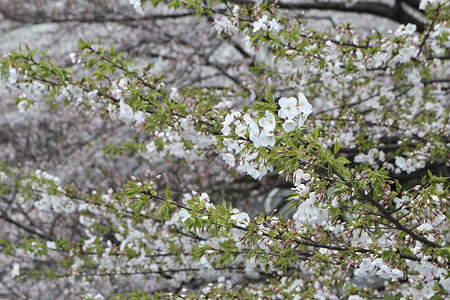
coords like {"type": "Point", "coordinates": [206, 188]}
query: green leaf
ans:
{"type": "Point", "coordinates": [337, 146]}
{"type": "Point", "coordinates": [315, 133]}
{"type": "Point", "coordinates": [444, 252]}
{"type": "Point", "coordinates": [167, 193]}
{"type": "Point", "coordinates": [269, 98]}
{"type": "Point", "coordinates": [338, 165]}
{"type": "Point", "coordinates": [398, 186]}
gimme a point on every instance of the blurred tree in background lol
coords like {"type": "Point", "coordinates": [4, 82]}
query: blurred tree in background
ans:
{"type": "Point", "coordinates": [201, 149]}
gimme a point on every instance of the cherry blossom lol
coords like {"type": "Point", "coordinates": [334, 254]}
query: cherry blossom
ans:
{"type": "Point", "coordinates": [288, 108]}
{"type": "Point", "coordinates": [267, 123]}
{"type": "Point", "coordinates": [260, 24]}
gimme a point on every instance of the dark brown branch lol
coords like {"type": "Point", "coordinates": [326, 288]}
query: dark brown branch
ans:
{"type": "Point", "coordinates": [303, 241]}
{"type": "Point", "coordinates": [395, 13]}
{"type": "Point", "coordinates": [27, 229]}
{"type": "Point", "coordinates": [39, 18]}
{"type": "Point", "coordinates": [397, 224]}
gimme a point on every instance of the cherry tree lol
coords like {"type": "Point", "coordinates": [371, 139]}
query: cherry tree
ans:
{"type": "Point", "coordinates": [252, 97]}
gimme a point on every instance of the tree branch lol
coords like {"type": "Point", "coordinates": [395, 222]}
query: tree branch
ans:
{"type": "Point", "coordinates": [396, 13]}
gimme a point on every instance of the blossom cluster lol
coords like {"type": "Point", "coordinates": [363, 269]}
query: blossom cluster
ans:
{"type": "Point", "coordinates": [224, 25]}
{"type": "Point", "coordinates": [261, 133]}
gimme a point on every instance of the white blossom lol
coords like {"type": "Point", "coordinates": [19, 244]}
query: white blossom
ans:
{"type": "Point", "coordinates": [425, 226]}
{"type": "Point", "coordinates": [289, 125]}
{"type": "Point", "coordinates": [137, 6]}
{"type": "Point", "coordinates": [241, 218]}
{"type": "Point", "coordinates": [288, 108]}
{"type": "Point", "coordinates": [308, 212]}
{"type": "Point", "coordinates": [229, 159]}
{"type": "Point", "coordinates": [304, 107]}
{"type": "Point", "coordinates": [267, 122]}
{"type": "Point", "coordinates": [405, 30]}
{"type": "Point", "coordinates": [260, 24]}
{"type": "Point", "coordinates": [275, 26]}
{"type": "Point", "coordinates": [15, 272]}
{"type": "Point", "coordinates": [223, 25]}
{"type": "Point", "coordinates": [240, 130]}
{"type": "Point", "coordinates": [73, 57]}
{"type": "Point", "coordinates": [12, 78]}
{"type": "Point", "coordinates": [184, 215]}
{"type": "Point", "coordinates": [266, 139]}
